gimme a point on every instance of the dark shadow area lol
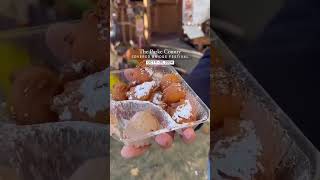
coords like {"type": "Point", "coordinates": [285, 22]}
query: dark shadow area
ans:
{"type": "Point", "coordinates": [271, 57]}
{"type": "Point", "coordinates": [54, 58]}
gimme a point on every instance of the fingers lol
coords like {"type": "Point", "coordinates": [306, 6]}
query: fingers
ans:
{"type": "Point", "coordinates": [129, 152]}
{"type": "Point", "coordinates": [188, 136]}
{"type": "Point", "coordinates": [165, 140]}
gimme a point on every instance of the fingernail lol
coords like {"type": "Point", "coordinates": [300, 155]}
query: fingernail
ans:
{"type": "Point", "coordinates": [124, 153]}
{"type": "Point", "coordinates": [188, 134]}
{"type": "Point", "coordinates": [164, 140]}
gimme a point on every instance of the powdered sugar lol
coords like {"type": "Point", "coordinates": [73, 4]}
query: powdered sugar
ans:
{"type": "Point", "coordinates": [157, 98]}
{"type": "Point", "coordinates": [95, 90]}
{"type": "Point", "coordinates": [65, 115]}
{"type": "Point", "coordinates": [149, 70]}
{"type": "Point", "coordinates": [142, 90]}
{"type": "Point", "coordinates": [183, 111]}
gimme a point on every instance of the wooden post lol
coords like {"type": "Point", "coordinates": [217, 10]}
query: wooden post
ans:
{"type": "Point", "coordinates": [179, 7]}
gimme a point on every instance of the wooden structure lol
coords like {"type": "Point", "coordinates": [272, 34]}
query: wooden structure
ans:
{"type": "Point", "coordinates": [165, 17]}
{"type": "Point", "coordinates": [160, 18]}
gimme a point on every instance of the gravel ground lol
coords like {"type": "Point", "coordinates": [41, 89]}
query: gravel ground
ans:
{"type": "Point", "coordinates": [180, 162]}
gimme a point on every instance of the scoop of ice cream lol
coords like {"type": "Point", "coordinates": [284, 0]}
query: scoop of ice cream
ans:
{"type": "Point", "coordinates": [141, 123]}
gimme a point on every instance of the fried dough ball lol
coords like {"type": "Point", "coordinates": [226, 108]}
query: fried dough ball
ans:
{"type": "Point", "coordinates": [142, 63]}
{"type": "Point", "coordinates": [168, 79]}
{"type": "Point", "coordinates": [156, 98]}
{"type": "Point", "coordinates": [86, 34]}
{"type": "Point", "coordinates": [88, 53]}
{"type": "Point", "coordinates": [137, 75]}
{"type": "Point", "coordinates": [133, 53]}
{"type": "Point", "coordinates": [84, 100]}
{"type": "Point", "coordinates": [143, 91]}
{"type": "Point", "coordinates": [119, 91]}
{"type": "Point", "coordinates": [173, 93]}
{"type": "Point", "coordinates": [78, 47]}
{"type": "Point", "coordinates": [32, 94]}
{"type": "Point", "coordinates": [140, 124]}
{"type": "Point", "coordinates": [183, 112]}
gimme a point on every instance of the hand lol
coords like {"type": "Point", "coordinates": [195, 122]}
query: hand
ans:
{"type": "Point", "coordinates": [165, 141]}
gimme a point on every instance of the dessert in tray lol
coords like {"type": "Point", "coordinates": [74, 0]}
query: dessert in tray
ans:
{"type": "Point", "coordinates": [161, 99]}
{"type": "Point", "coordinates": [72, 86]}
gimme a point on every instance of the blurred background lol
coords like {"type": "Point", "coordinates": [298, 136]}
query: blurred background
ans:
{"type": "Point", "coordinates": [277, 42]}
{"type": "Point", "coordinates": [27, 13]}
{"type": "Point", "coordinates": [23, 25]}
{"type": "Point", "coordinates": [24, 43]}
{"type": "Point", "coordinates": [240, 24]}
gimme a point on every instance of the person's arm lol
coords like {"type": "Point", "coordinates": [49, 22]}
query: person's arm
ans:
{"type": "Point", "coordinates": [199, 79]}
